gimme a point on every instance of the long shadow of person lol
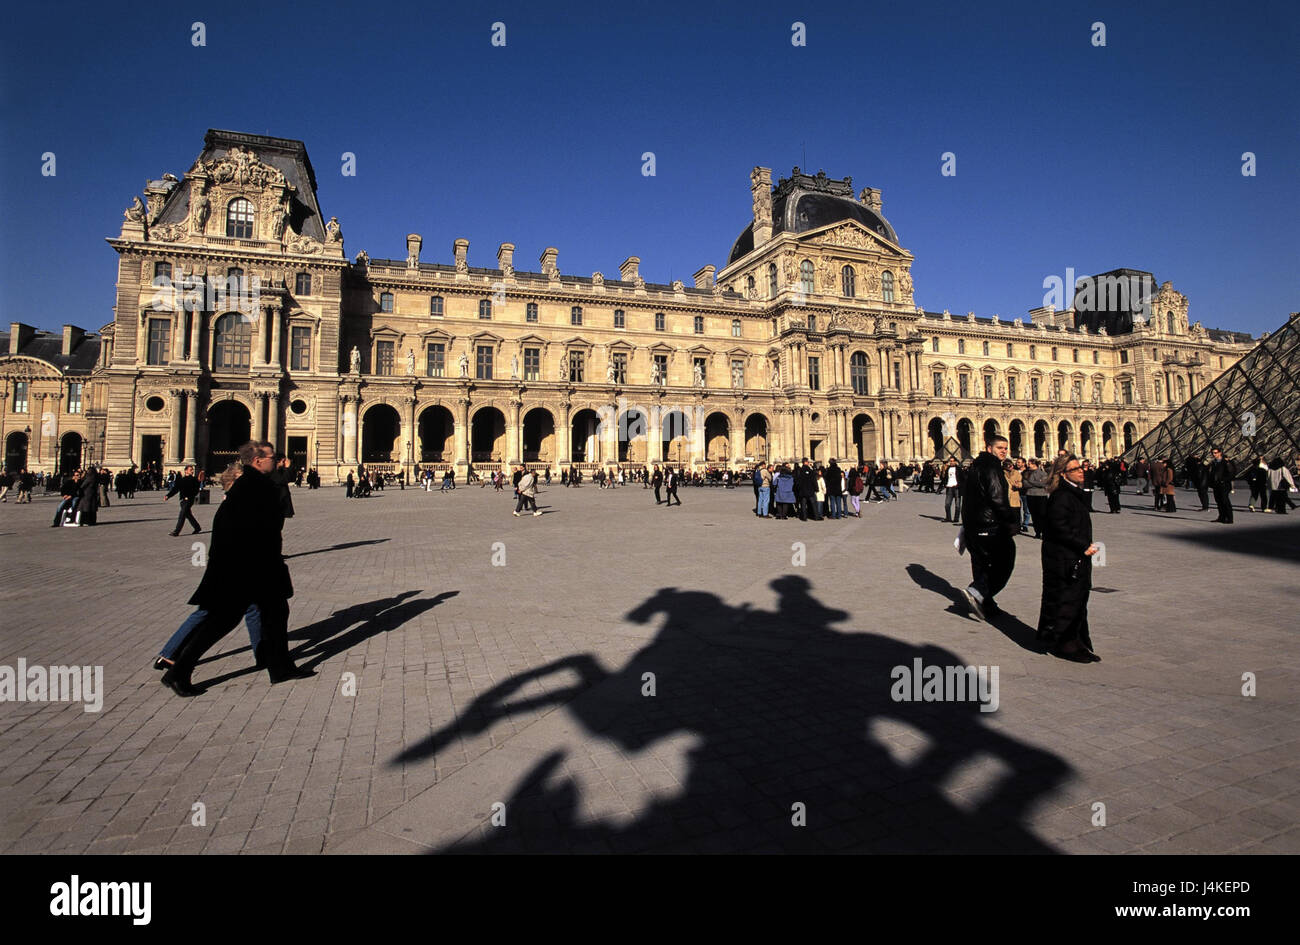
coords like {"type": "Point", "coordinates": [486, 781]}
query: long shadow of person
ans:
{"type": "Point", "coordinates": [1009, 625]}
{"type": "Point", "coordinates": [780, 706]}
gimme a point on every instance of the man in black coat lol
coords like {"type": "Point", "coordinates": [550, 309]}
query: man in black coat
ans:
{"type": "Point", "coordinates": [245, 568]}
{"type": "Point", "coordinates": [88, 503]}
{"type": "Point", "coordinates": [1067, 554]}
{"type": "Point", "coordinates": [1220, 476]}
{"type": "Point", "coordinates": [281, 476]}
{"type": "Point", "coordinates": [187, 487]}
{"type": "Point", "coordinates": [657, 481]}
{"type": "Point", "coordinates": [1198, 477]}
{"type": "Point", "coordinates": [834, 478]}
{"type": "Point", "coordinates": [990, 524]}
{"type": "Point", "coordinates": [805, 492]}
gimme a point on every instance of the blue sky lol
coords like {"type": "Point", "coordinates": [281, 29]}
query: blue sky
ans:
{"type": "Point", "coordinates": [1067, 154]}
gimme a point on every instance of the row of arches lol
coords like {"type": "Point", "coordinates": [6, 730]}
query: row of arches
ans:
{"type": "Point", "coordinates": [957, 436]}
{"type": "Point", "coordinates": [18, 444]}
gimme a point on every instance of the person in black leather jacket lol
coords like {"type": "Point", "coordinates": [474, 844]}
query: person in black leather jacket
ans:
{"type": "Point", "coordinates": [990, 524]}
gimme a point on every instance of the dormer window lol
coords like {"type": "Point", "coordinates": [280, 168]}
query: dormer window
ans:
{"type": "Point", "coordinates": [239, 219]}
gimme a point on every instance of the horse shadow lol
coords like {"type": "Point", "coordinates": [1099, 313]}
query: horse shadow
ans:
{"type": "Point", "coordinates": [802, 742]}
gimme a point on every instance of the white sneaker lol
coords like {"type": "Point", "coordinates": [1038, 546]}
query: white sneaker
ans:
{"type": "Point", "coordinates": [536, 513]}
{"type": "Point", "coordinates": [515, 514]}
{"type": "Point", "coordinates": [976, 602]}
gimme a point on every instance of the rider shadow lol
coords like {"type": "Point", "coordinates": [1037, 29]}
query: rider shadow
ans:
{"type": "Point", "coordinates": [781, 709]}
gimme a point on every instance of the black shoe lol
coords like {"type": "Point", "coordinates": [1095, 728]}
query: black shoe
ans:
{"type": "Point", "coordinates": [1075, 653]}
{"type": "Point", "coordinates": [294, 672]}
{"type": "Point", "coordinates": [181, 687]}
{"type": "Point", "coordinates": [196, 531]}
{"type": "Point", "coordinates": [174, 534]}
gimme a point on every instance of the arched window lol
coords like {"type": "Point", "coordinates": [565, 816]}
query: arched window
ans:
{"type": "Point", "coordinates": [233, 342]}
{"type": "Point", "coordinates": [749, 286]}
{"type": "Point", "coordinates": [858, 373]}
{"type": "Point", "coordinates": [771, 280]}
{"type": "Point", "coordinates": [887, 286]}
{"type": "Point", "coordinates": [806, 277]}
{"type": "Point", "coordinates": [239, 219]}
{"type": "Point", "coordinates": [1169, 320]}
{"type": "Point", "coordinates": [1182, 390]}
{"type": "Point", "coordinates": [848, 282]}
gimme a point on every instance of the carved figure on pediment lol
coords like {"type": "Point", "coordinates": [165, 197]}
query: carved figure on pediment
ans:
{"type": "Point", "coordinates": [168, 233]}
{"type": "Point", "coordinates": [828, 279]}
{"type": "Point", "coordinates": [363, 258]}
{"type": "Point", "coordinates": [871, 280]}
{"type": "Point", "coordinates": [677, 285]}
{"type": "Point", "coordinates": [356, 360]}
{"type": "Point", "coordinates": [279, 217]}
{"type": "Point", "coordinates": [135, 212]}
{"type": "Point", "coordinates": [199, 212]}
{"type": "Point", "coordinates": [305, 245]}
{"type": "Point", "coordinates": [333, 232]}
{"type": "Point", "coordinates": [461, 264]}
{"type": "Point", "coordinates": [905, 281]}
{"type": "Point", "coordinates": [639, 283]}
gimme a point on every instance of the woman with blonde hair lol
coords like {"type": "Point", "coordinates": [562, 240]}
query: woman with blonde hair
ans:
{"type": "Point", "coordinates": [1067, 564]}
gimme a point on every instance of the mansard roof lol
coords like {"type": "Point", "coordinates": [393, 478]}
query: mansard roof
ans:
{"type": "Point", "coordinates": [47, 346]}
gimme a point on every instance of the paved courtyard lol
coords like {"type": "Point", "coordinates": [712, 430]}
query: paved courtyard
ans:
{"type": "Point", "coordinates": [612, 676]}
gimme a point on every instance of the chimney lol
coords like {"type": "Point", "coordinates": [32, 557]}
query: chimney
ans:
{"type": "Point", "coordinates": [547, 259]}
{"type": "Point", "coordinates": [72, 336]}
{"type": "Point", "coordinates": [413, 243]}
{"type": "Point", "coordinates": [629, 268]}
{"type": "Point", "coordinates": [704, 278]}
{"type": "Point", "coordinates": [871, 197]}
{"type": "Point", "coordinates": [506, 257]}
{"type": "Point", "coordinates": [760, 188]}
{"type": "Point", "coordinates": [19, 335]}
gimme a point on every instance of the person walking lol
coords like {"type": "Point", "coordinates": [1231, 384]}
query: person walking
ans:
{"type": "Point", "coordinates": [1067, 555]}
{"type": "Point", "coordinates": [657, 481]}
{"type": "Point", "coordinates": [853, 485]}
{"type": "Point", "coordinates": [526, 490]}
{"type": "Point", "coordinates": [1219, 477]}
{"type": "Point", "coordinates": [1258, 479]}
{"type": "Point", "coordinates": [1280, 482]}
{"type": "Point", "coordinates": [990, 525]}
{"type": "Point", "coordinates": [1014, 486]}
{"type": "Point", "coordinates": [834, 479]}
{"type": "Point", "coordinates": [953, 476]}
{"type": "Point", "coordinates": [671, 477]}
{"type": "Point", "coordinates": [187, 487]}
{"type": "Point", "coordinates": [1165, 475]}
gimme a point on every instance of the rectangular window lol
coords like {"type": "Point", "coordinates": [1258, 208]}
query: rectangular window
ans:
{"type": "Point", "coordinates": [532, 364]}
{"type": "Point", "coordinates": [435, 306]}
{"type": "Point", "coordinates": [1033, 388]}
{"type": "Point", "coordinates": [898, 376]}
{"type": "Point", "coordinates": [735, 328]}
{"type": "Point", "coordinates": [385, 301]}
{"type": "Point", "coordinates": [700, 371]}
{"type": "Point", "coordinates": [699, 324]}
{"type": "Point", "coordinates": [160, 335]}
{"type": "Point", "coordinates": [1076, 391]}
{"type": "Point", "coordinates": [302, 284]}
{"type": "Point", "coordinates": [963, 385]}
{"type": "Point", "coordinates": [577, 361]}
{"type": "Point", "coordinates": [384, 358]}
{"type": "Point", "coordinates": [1096, 357]}
{"type": "Point", "coordinates": [20, 396]}
{"type": "Point", "coordinates": [620, 367]}
{"type": "Point", "coordinates": [619, 318]}
{"type": "Point", "coordinates": [1056, 388]}
{"type": "Point", "coordinates": [485, 308]}
{"type": "Point", "coordinates": [1033, 352]}
{"type": "Point", "coordinates": [988, 386]}
{"type": "Point", "coordinates": [530, 313]}
{"type": "Point", "coordinates": [1123, 357]}
{"type": "Point", "coordinates": [436, 360]}
{"type": "Point", "coordinates": [299, 348]}
{"type": "Point", "coordinates": [659, 321]}
{"type": "Point", "coordinates": [1076, 355]}
{"type": "Point", "coordinates": [961, 345]}
{"type": "Point", "coordinates": [1054, 354]}
{"type": "Point", "coordinates": [814, 373]}
{"type": "Point", "coordinates": [1155, 354]}
{"type": "Point", "coordinates": [74, 397]}
{"type": "Point", "coordinates": [575, 315]}
{"type": "Point", "coordinates": [1011, 350]}
{"type": "Point", "coordinates": [1126, 388]}
{"type": "Point", "coordinates": [938, 383]}
{"type": "Point", "coordinates": [661, 368]}
{"type": "Point", "coordinates": [1011, 387]}
{"type": "Point", "coordinates": [484, 363]}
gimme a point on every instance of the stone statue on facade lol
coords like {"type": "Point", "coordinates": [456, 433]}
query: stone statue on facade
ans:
{"type": "Point", "coordinates": [464, 364]}
{"type": "Point", "coordinates": [948, 388]}
{"type": "Point", "coordinates": [610, 375]}
{"type": "Point", "coordinates": [356, 360]}
{"type": "Point", "coordinates": [201, 207]}
{"type": "Point", "coordinates": [410, 362]}
{"type": "Point", "coordinates": [699, 375]}
{"type": "Point", "coordinates": [776, 376]}
{"type": "Point", "coordinates": [135, 212]}
{"type": "Point", "coordinates": [514, 367]}
{"type": "Point", "coordinates": [333, 232]}
{"type": "Point", "coordinates": [737, 376]}
{"type": "Point", "coordinates": [656, 373]}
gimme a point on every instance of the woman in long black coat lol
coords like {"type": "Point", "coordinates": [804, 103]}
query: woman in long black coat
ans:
{"type": "Point", "coordinates": [1067, 564]}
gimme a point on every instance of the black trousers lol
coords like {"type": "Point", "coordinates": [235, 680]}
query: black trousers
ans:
{"type": "Point", "coordinates": [1067, 582]}
{"type": "Point", "coordinates": [1037, 512]}
{"type": "Point", "coordinates": [186, 515]}
{"type": "Point", "coordinates": [1222, 500]}
{"type": "Point", "coordinates": [672, 494]}
{"type": "Point", "coordinates": [1171, 504]}
{"type": "Point", "coordinates": [658, 499]}
{"type": "Point", "coordinates": [1203, 493]}
{"type": "Point", "coordinates": [1113, 497]}
{"type": "Point", "coordinates": [992, 559]}
{"type": "Point", "coordinates": [272, 652]}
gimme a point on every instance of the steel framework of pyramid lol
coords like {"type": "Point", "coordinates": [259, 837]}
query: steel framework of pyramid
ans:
{"type": "Point", "coordinates": [1252, 409]}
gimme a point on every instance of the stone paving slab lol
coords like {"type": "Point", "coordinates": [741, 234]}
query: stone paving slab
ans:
{"type": "Point", "coordinates": [521, 683]}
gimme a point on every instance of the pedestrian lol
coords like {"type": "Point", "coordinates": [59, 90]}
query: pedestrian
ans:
{"type": "Point", "coordinates": [88, 502]}
{"type": "Point", "coordinates": [1219, 477]}
{"type": "Point", "coordinates": [671, 477]}
{"type": "Point", "coordinates": [1165, 473]}
{"type": "Point", "coordinates": [1067, 555]}
{"type": "Point", "coordinates": [953, 477]}
{"type": "Point", "coordinates": [834, 479]}
{"type": "Point", "coordinates": [526, 490]}
{"type": "Point", "coordinates": [70, 489]}
{"type": "Point", "coordinates": [1013, 491]}
{"type": "Point", "coordinates": [764, 489]}
{"type": "Point", "coordinates": [758, 485]}
{"type": "Point", "coordinates": [989, 524]}
{"type": "Point", "coordinates": [657, 481]}
{"type": "Point", "coordinates": [245, 567]}
{"type": "Point", "coordinates": [783, 484]}
{"type": "Point", "coordinates": [805, 490]}
{"type": "Point", "coordinates": [25, 483]}
{"type": "Point", "coordinates": [1280, 482]}
{"type": "Point", "coordinates": [187, 487]}
{"type": "Point", "coordinates": [853, 485]}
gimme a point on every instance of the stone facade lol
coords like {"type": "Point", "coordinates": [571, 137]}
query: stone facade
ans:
{"type": "Point", "coordinates": [808, 342]}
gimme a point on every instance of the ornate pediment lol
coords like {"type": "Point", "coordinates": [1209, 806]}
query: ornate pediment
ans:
{"type": "Point", "coordinates": [855, 236]}
{"type": "Point", "coordinates": [241, 166]}
{"type": "Point", "coordinates": [852, 321]}
{"type": "Point", "coordinates": [25, 367]}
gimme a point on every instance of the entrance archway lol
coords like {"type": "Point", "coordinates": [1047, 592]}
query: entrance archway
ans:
{"type": "Point", "coordinates": [539, 436]}
{"type": "Point", "coordinates": [633, 437]}
{"type": "Point", "coordinates": [676, 434]}
{"type": "Point", "coordinates": [229, 428]}
{"type": "Point", "coordinates": [965, 429]}
{"type": "Point", "coordinates": [1086, 437]}
{"type": "Point", "coordinates": [1016, 438]}
{"type": "Point", "coordinates": [15, 452]}
{"type": "Point", "coordinates": [1108, 438]}
{"type": "Point", "coordinates": [756, 437]}
{"type": "Point", "coordinates": [437, 432]}
{"type": "Point", "coordinates": [934, 431]}
{"type": "Point", "coordinates": [1064, 435]}
{"type": "Point", "coordinates": [1040, 439]}
{"type": "Point", "coordinates": [1130, 436]}
{"type": "Point", "coordinates": [380, 428]}
{"type": "Point", "coordinates": [488, 436]}
{"type": "Point", "coordinates": [864, 438]}
{"type": "Point", "coordinates": [70, 453]}
{"type": "Point", "coordinates": [991, 429]}
{"type": "Point", "coordinates": [717, 438]}
{"type": "Point", "coordinates": [584, 443]}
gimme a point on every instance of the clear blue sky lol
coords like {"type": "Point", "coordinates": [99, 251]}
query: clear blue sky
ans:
{"type": "Point", "coordinates": [1067, 154]}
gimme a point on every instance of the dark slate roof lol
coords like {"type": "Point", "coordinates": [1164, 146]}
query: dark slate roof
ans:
{"type": "Point", "coordinates": [285, 154]}
{"type": "Point", "coordinates": [1236, 337]}
{"type": "Point", "coordinates": [803, 202]}
{"type": "Point", "coordinates": [47, 346]}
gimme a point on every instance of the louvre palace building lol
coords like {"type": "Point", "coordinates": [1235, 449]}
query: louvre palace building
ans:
{"type": "Point", "coordinates": [238, 314]}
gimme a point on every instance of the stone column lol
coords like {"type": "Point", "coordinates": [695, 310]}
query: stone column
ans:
{"type": "Point", "coordinates": [196, 316]}
{"type": "Point", "coordinates": [173, 456]}
{"type": "Point", "coordinates": [609, 442]}
{"type": "Point", "coordinates": [563, 447]}
{"type": "Point", "coordinates": [273, 420]}
{"type": "Point", "coordinates": [411, 432]}
{"type": "Point", "coordinates": [274, 315]}
{"type": "Point", "coordinates": [354, 422]}
{"type": "Point", "coordinates": [655, 435]}
{"type": "Point", "coordinates": [34, 441]}
{"type": "Point", "coordinates": [50, 429]}
{"type": "Point", "coordinates": [259, 416]}
{"type": "Point", "coordinates": [737, 423]}
{"type": "Point", "coordinates": [191, 427]}
{"type": "Point", "coordinates": [514, 436]}
{"type": "Point", "coordinates": [463, 439]}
